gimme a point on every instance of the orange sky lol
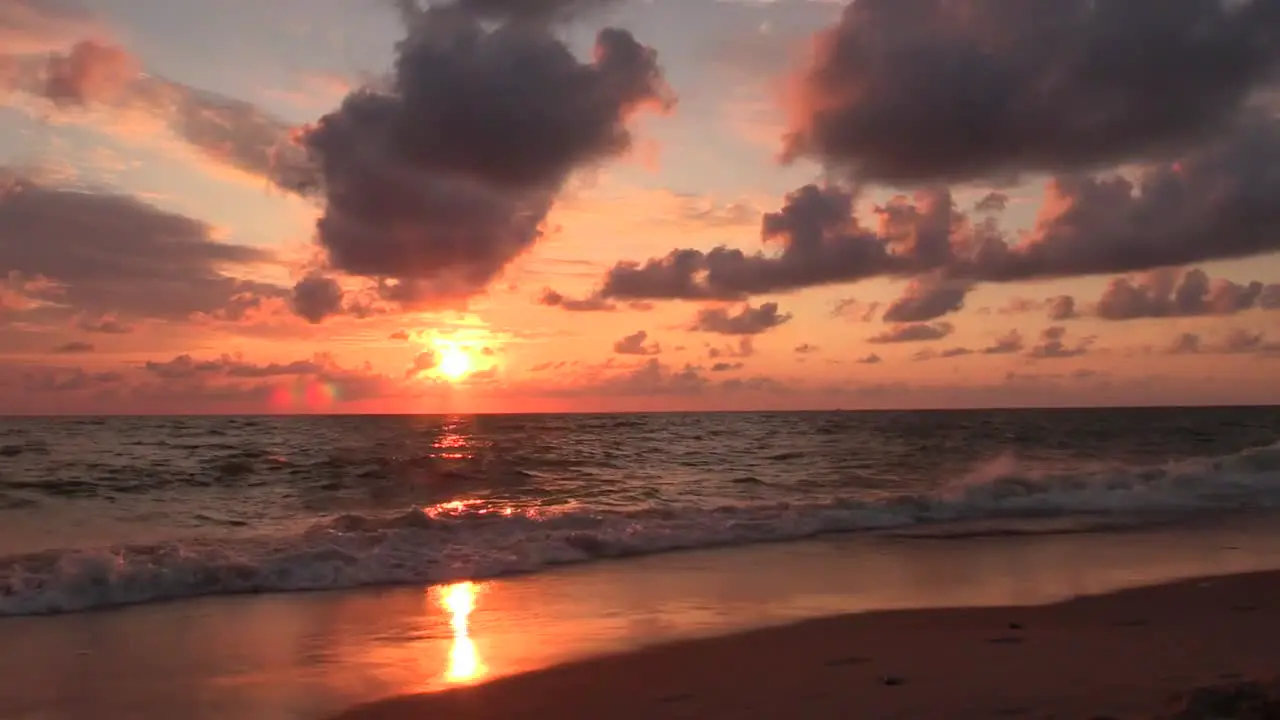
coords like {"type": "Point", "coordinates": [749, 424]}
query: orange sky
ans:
{"type": "Point", "coordinates": [150, 257]}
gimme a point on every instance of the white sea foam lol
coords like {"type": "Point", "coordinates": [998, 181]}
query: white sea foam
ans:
{"type": "Point", "coordinates": [475, 540]}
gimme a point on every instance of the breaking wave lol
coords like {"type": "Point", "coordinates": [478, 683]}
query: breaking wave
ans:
{"type": "Point", "coordinates": [478, 539]}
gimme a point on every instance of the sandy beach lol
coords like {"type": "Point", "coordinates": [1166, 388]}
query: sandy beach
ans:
{"type": "Point", "coordinates": [1124, 655]}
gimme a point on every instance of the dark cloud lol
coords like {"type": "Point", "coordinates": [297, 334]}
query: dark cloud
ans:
{"type": "Point", "coordinates": [185, 367]}
{"type": "Point", "coordinates": [744, 349]}
{"type": "Point", "coordinates": [1062, 307]}
{"type": "Point", "coordinates": [593, 303]}
{"type": "Point", "coordinates": [806, 349]}
{"type": "Point", "coordinates": [1185, 344]}
{"type": "Point", "coordinates": [538, 11]}
{"type": "Point", "coordinates": [915, 332]}
{"type": "Point", "coordinates": [316, 297]}
{"type": "Point", "coordinates": [851, 309]}
{"type": "Point", "coordinates": [442, 179]}
{"type": "Point", "coordinates": [726, 367]}
{"type": "Point", "coordinates": [872, 359]}
{"type": "Point", "coordinates": [103, 326]}
{"type": "Point", "coordinates": [1165, 294]}
{"type": "Point", "coordinates": [1236, 341]}
{"type": "Point", "coordinates": [930, 354]}
{"type": "Point", "coordinates": [1053, 345]}
{"type": "Point", "coordinates": [73, 348]}
{"type": "Point", "coordinates": [114, 255]}
{"type": "Point", "coordinates": [1008, 344]}
{"type": "Point", "coordinates": [927, 90]}
{"type": "Point", "coordinates": [747, 321]}
{"type": "Point", "coordinates": [992, 202]}
{"type": "Point", "coordinates": [422, 362]}
{"type": "Point", "coordinates": [634, 344]}
{"type": "Point", "coordinates": [398, 335]}
{"type": "Point", "coordinates": [1215, 203]}
{"type": "Point", "coordinates": [927, 298]}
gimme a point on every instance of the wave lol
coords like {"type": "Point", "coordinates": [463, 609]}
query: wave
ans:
{"type": "Point", "coordinates": [477, 539]}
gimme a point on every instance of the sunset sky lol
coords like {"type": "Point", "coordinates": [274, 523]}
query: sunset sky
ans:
{"type": "Point", "coordinates": [585, 205]}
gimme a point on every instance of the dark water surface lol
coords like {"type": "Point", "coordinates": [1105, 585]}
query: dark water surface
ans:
{"type": "Point", "coordinates": [97, 512]}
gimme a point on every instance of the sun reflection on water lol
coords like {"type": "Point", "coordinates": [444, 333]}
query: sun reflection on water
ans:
{"type": "Point", "coordinates": [459, 600]}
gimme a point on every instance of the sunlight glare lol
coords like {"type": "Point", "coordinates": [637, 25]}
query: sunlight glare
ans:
{"type": "Point", "coordinates": [459, 600]}
{"type": "Point", "coordinates": [454, 363]}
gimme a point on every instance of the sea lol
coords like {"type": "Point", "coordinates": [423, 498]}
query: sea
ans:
{"type": "Point", "coordinates": [104, 512]}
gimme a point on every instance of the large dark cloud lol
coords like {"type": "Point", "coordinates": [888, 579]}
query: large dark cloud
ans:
{"type": "Point", "coordinates": [927, 90]}
{"type": "Point", "coordinates": [114, 255]}
{"type": "Point", "coordinates": [1216, 202]}
{"type": "Point", "coordinates": [746, 321]}
{"type": "Point", "coordinates": [439, 180]}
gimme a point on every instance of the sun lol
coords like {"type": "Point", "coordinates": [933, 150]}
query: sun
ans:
{"type": "Point", "coordinates": [454, 363]}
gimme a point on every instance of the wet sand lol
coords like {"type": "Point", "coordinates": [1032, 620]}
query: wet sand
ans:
{"type": "Point", "coordinates": [1123, 655]}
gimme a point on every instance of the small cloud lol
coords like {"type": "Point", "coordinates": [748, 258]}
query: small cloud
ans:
{"type": "Point", "coordinates": [634, 344]}
{"type": "Point", "coordinates": [748, 321]}
{"type": "Point", "coordinates": [1052, 345]}
{"type": "Point", "coordinates": [916, 332]}
{"type": "Point", "coordinates": [74, 348]}
{"type": "Point", "coordinates": [806, 349]}
{"type": "Point", "coordinates": [1008, 344]}
{"type": "Point", "coordinates": [593, 303]}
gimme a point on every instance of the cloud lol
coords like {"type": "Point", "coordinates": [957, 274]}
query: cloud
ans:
{"type": "Point", "coordinates": [806, 349]}
{"type": "Point", "coordinates": [1008, 344]}
{"type": "Point", "coordinates": [634, 344]}
{"type": "Point", "coordinates": [941, 90]}
{"type": "Point", "coordinates": [747, 321]}
{"type": "Point", "coordinates": [744, 349]}
{"type": "Point", "coordinates": [852, 309]}
{"type": "Point", "coordinates": [593, 303]}
{"type": "Point", "coordinates": [422, 362]}
{"type": "Point", "coordinates": [316, 297]}
{"type": "Point", "coordinates": [1062, 307]}
{"type": "Point", "coordinates": [992, 202]}
{"type": "Point", "coordinates": [1052, 345]}
{"type": "Point", "coordinates": [1165, 294]}
{"type": "Point", "coordinates": [98, 74]}
{"type": "Point", "coordinates": [1214, 203]}
{"type": "Point", "coordinates": [103, 326]}
{"type": "Point", "coordinates": [726, 367]}
{"type": "Point", "coordinates": [1236, 341]}
{"type": "Point", "coordinates": [930, 354]}
{"type": "Point", "coordinates": [914, 332]}
{"type": "Point", "coordinates": [73, 348]}
{"type": "Point", "coordinates": [421, 194]}
{"type": "Point", "coordinates": [38, 26]}
{"type": "Point", "coordinates": [872, 359]}
{"type": "Point", "coordinates": [928, 298]}
{"type": "Point", "coordinates": [113, 255]}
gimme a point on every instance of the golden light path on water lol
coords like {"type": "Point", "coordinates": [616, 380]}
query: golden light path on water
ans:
{"type": "Point", "coordinates": [459, 600]}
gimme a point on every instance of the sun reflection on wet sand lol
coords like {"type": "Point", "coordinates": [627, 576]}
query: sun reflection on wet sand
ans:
{"type": "Point", "coordinates": [465, 665]}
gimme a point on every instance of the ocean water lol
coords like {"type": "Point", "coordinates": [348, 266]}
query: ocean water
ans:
{"type": "Point", "coordinates": [101, 512]}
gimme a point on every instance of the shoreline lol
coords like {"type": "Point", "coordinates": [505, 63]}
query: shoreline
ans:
{"type": "Point", "coordinates": [1127, 654]}
{"type": "Point", "coordinates": [307, 656]}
